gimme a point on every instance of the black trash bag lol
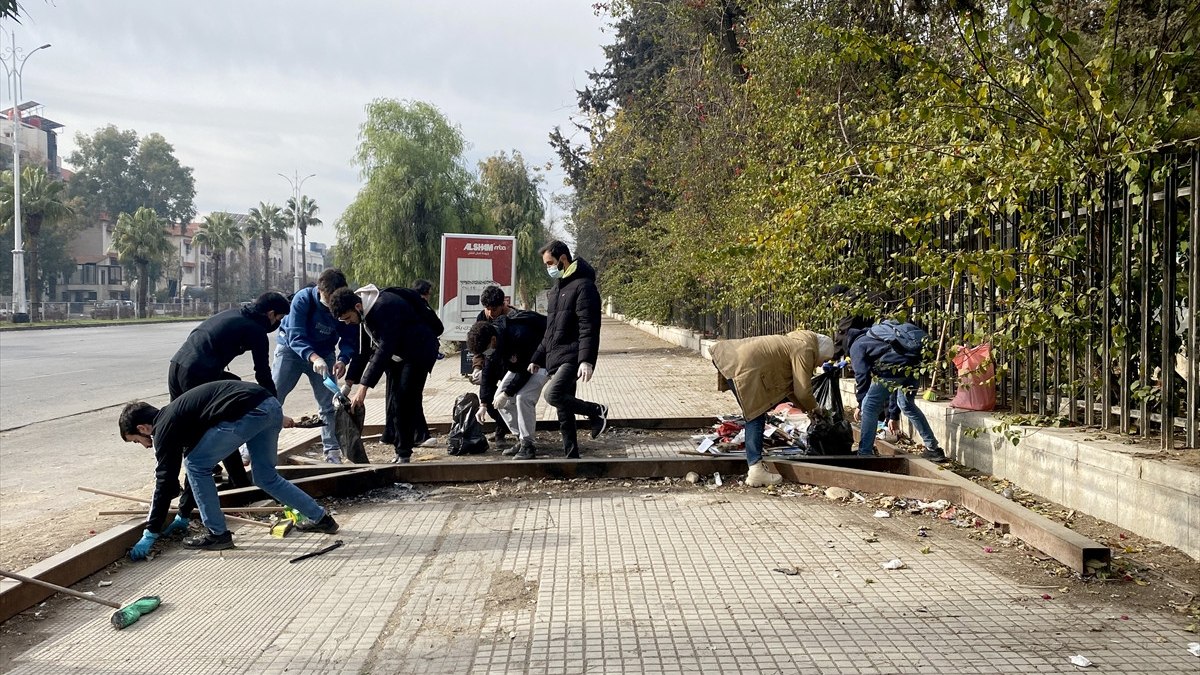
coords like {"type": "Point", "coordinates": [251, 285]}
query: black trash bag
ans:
{"type": "Point", "coordinates": [829, 433]}
{"type": "Point", "coordinates": [466, 433]}
{"type": "Point", "coordinates": [347, 426]}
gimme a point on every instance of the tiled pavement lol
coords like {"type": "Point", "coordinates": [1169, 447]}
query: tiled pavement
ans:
{"type": "Point", "coordinates": [635, 579]}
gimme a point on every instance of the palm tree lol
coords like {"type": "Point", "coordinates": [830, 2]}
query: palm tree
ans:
{"type": "Point", "coordinates": [142, 240]}
{"type": "Point", "coordinates": [219, 233]}
{"type": "Point", "coordinates": [307, 217]}
{"type": "Point", "coordinates": [267, 223]}
{"type": "Point", "coordinates": [41, 204]}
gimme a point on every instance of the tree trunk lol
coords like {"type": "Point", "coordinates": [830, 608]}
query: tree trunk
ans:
{"type": "Point", "coordinates": [33, 228]}
{"type": "Point", "coordinates": [143, 282]}
{"type": "Point", "coordinates": [266, 242]}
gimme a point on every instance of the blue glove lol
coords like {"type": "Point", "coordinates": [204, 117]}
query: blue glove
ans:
{"type": "Point", "coordinates": [141, 549]}
{"type": "Point", "coordinates": [180, 524]}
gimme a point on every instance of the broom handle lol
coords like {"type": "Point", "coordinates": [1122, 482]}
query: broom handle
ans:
{"type": "Point", "coordinates": [945, 326]}
{"type": "Point", "coordinates": [233, 509]}
{"type": "Point", "coordinates": [60, 589]}
{"type": "Point", "coordinates": [142, 501]}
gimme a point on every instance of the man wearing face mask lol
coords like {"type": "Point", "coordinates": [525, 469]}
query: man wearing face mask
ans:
{"type": "Point", "coordinates": [399, 337]}
{"type": "Point", "coordinates": [306, 343]}
{"type": "Point", "coordinates": [572, 341]}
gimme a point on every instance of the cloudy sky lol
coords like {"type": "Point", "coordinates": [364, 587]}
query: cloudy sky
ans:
{"type": "Point", "coordinates": [246, 90]}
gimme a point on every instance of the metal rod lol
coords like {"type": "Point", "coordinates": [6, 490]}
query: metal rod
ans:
{"type": "Point", "coordinates": [1167, 333]}
{"type": "Point", "coordinates": [1089, 363]}
{"type": "Point", "coordinates": [1126, 301]}
{"type": "Point", "coordinates": [1193, 347]}
{"type": "Point", "coordinates": [1146, 314]}
{"type": "Point", "coordinates": [1106, 298]}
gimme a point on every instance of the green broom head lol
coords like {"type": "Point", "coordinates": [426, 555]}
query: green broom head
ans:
{"type": "Point", "coordinates": [129, 614]}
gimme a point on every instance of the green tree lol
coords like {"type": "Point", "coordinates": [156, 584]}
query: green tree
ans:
{"type": "Point", "coordinates": [141, 239]}
{"type": "Point", "coordinates": [218, 233]}
{"type": "Point", "coordinates": [42, 204]}
{"type": "Point", "coordinates": [268, 223]}
{"type": "Point", "coordinates": [512, 203]}
{"type": "Point", "coordinates": [305, 218]}
{"type": "Point", "coordinates": [417, 188]}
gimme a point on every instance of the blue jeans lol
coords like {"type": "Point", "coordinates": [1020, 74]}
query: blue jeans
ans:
{"type": "Point", "coordinates": [259, 430]}
{"type": "Point", "coordinates": [754, 431]}
{"type": "Point", "coordinates": [875, 402]}
{"type": "Point", "coordinates": [286, 370]}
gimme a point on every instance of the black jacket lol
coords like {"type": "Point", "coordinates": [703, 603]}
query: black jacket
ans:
{"type": "Point", "coordinates": [572, 321]}
{"type": "Point", "coordinates": [223, 337]}
{"type": "Point", "coordinates": [180, 426]}
{"type": "Point", "coordinates": [519, 334]}
{"type": "Point", "coordinates": [400, 326]}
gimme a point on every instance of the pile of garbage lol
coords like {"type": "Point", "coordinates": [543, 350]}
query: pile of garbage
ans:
{"type": "Point", "coordinates": [786, 433]}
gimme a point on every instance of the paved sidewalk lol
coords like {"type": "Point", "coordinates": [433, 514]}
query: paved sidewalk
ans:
{"type": "Point", "coordinates": [632, 577]}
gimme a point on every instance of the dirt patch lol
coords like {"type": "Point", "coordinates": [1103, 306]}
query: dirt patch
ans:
{"type": "Point", "coordinates": [509, 592]}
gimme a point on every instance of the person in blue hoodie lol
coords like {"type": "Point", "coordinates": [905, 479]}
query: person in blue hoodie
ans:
{"type": "Point", "coordinates": [884, 358]}
{"type": "Point", "coordinates": [306, 341]}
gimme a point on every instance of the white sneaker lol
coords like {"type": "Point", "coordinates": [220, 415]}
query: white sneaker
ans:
{"type": "Point", "coordinates": [429, 442]}
{"type": "Point", "coordinates": [758, 476]}
{"type": "Point", "coordinates": [334, 457]}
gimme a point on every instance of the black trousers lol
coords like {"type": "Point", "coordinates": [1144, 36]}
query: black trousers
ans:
{"type": "Point", "coordinates": [402, 405]}
{"type": "Point", "coordinates": [560, 393]}
{"type": "Point", "coordinates": [180, 379]}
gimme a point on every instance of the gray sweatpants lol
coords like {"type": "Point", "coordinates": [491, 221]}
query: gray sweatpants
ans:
{"type": "Point", "coordinates": [523, 406]}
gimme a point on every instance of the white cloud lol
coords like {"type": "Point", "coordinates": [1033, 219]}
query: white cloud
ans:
{"type": "Point", "coordinates": [247, 90]}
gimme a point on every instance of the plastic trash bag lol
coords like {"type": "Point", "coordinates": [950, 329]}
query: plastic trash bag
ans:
{"type": "Point", "coordinates": [466, 433]}
{"type": "Point", "coordinates": [830, 432]}
{"type": "Point", "coordinates": [976, 378]}
{"type": "Point", "coordinates": [347, 426]}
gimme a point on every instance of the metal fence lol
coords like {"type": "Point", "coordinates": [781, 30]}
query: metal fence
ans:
{"type": "Point", "coordinates": [52, 312]}
{"type": "Point", "coordinates": [1123, 354]}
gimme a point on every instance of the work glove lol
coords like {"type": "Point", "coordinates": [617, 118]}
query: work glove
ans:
{"type": "Point", "coordinates": [320, 367]}
{"type": "Point", "coordinates": [481, 415]}
{"type": "Point", "coordinates": [501, 400]}
{"type": "Point", "coordinates": [339, 370]}
{"type": "Point", "coordinates": [476, 376]}
{"type": "Point", "coordinates": [180, 524]}
{"type": "Point", "coordinates": [585, 372]}
{"type": "Point", "coordinates": [533, 368]}
{"type": "Point", "coordinates": [142, 549]}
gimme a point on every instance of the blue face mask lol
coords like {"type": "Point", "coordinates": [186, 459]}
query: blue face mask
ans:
{"type": "Point", "coordinates": [554, 272]}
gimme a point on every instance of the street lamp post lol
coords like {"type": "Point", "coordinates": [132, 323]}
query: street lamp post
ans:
{"type": "Point", "coordinates": [297, 182]}
{"type": "Point", "coordinates": [21, 311]}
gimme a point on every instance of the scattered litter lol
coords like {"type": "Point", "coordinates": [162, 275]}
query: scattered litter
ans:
{"type": "Point", "coordinates": [871, 539]}
{"type": "Point", "coordinates": [922, 531]}
{"type": "Point", "coordinates": [859, 498]}
{"type": "Point", "coordinates": [403, 486]}
{"type": "Point", "coordinates": [717, 479]}
{"type": "Point", "coordinates": [1194, 648]}
{"type": "Point", "coordinates": [829, 544]}
{"type": "Point", "coordinates": [647, 496]}
{"type": "Point", "coordinates": [1047, 596]}
{"type": "Point", "coordinates": [1081, 661]}
{"type": "Point", "coordinates": [893, 564]}
{"type": "Point", "coordinates": [883, 514]}
{"type": "Point", "coordinates": [692, 477]}
{"type": "Point", "coordinates": [837, 493]}
{"type": "Point", "coordinates": [925, 550]}
{"type": "Point", "coordinates": [1007, 493]}
{"type": "Point", "coordinates": [105, 583]}
{"type": "Point", "coordinates": [939, 505]}
{"type": "Point", "coordinates": [988, 549]}
{"type": "Point", "coordinates": [789, 571]}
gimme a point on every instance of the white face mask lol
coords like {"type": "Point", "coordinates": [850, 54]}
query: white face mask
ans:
{"type": "Point", "coordinates": [554, 272]}
{"type": "Point", "coordinates": [489, 351]}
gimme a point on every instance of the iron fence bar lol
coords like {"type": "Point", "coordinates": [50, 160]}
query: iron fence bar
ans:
{"type": "Point", "coordinates": [1144, 345]}
{"type": "Point", "coordinates": [1126, 301]}
{"type": "Point", "coordinates": [1058, 287]}
{"type": "Point", "coordinates": [1076, 270]}
{"type": "Point", "coordinates": [1193, 353]}
{"type": "Point", "coordinates": [1169, 266]}
{"type": "Point", "coordinates": [1042, 398]}
{"type": "Point", "coordinates": [1089, 414]}
{"type": "Point", "coordinates": [1105, 294]}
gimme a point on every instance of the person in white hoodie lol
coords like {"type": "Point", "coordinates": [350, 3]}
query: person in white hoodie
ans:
{"type": "Point", "coordinates": [399, 337]}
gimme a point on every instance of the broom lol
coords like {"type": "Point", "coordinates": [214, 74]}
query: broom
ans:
{"type": "Point", "coordinates": [279, 529]}
{"type": "Point", "coordinates": [929, 394]}
{"type": "Point", "coordinates": [124, 617]}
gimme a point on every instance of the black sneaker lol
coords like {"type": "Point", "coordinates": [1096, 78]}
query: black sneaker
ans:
{"type": "Point", "coordinates": [326, 524]}
{"type": "Point", "coordinates": [525, 451]}
{"type": "Point", "coordinates": [211, 542]}
{"type": "Point", "coordinates": [573, 453]}
{"type": "Point", "coordinates": [600, 422]}
{"type": "Point", "coordinates": [509, 452]}
{"type": "Point", "coordinates": [935, 455]}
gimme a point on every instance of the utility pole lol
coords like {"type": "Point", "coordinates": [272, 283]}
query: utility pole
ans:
{"type": "Point", "coordinates": [297, 182]}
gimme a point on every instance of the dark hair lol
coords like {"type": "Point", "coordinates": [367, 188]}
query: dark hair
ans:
{"type": "Point", "coordinates": [479, 338]}
{"type": "Point", "coordinates": [138, 412]}
{"type": "Point", "coordinates": [343, 300]}
{"type": "Point", "coordinates": [557, 249]}
{"type": "Point", "coordinates": [271, 302]}
{"type": "Point", "coordinates": [422, 286]}
{"type": "Point", "coordinates": [331, 280]}
{"type": "Point", "coordinates": [492, 297]}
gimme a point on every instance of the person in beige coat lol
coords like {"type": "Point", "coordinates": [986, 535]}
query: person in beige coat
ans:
{"type": "Point", "coordinates": [764, 371]}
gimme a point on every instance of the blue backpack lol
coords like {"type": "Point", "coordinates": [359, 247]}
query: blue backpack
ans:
{"type": "Point", "coordinates": [905, 339]}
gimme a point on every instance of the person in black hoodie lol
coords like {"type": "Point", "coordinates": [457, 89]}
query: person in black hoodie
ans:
{"type": "Point", "coordinates": [398, 336]}
{"type": "Point", "coordinates": [572, 341]}
{"type": "Point", "coordinates": [196, 430]}
{"type": "Point", "coordinates": [209, 348]}
{"type": "Point", "coordinates": [507, 386]}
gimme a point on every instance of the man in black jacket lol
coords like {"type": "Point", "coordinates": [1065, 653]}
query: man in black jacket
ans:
{"type": "Point", "coordinates": [509, 342]}
{"type": "Point", "coordinates": [572, 341]}
{"type": "Point", "coordinates": [398, 336]}
{"type": "Point", "coordinates": [209, 348]}
{"type": "Point", "coordinates": [221, 338]}
{"type": "Point", "coordinates": [197, 430]}
{"type": "Point", "coordinates": [495, 306]}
